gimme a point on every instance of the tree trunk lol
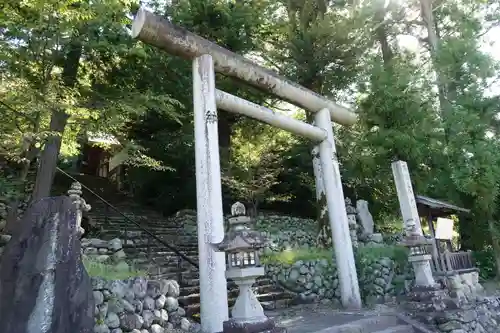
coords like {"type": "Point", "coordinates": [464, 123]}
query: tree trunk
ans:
{"type": "Point", "coordinates": [381, 34]}
{"type": "Point", "coordinates": [48, 160]}
{"type": "Point", "coordinates": [58, 120]}
{"type": "Point", "coordinates": [433, 40]}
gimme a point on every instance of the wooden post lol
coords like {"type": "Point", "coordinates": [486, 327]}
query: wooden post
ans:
{"type": "Point", "coordinates": [435, 252]}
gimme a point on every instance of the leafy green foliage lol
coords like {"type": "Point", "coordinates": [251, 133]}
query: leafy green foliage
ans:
{"type": "Point", "coordinates": [369, 254]}
{"type": "Point", "coordinates": [485, 261]}
{"type": "Point", "coordinates": [341, 49]}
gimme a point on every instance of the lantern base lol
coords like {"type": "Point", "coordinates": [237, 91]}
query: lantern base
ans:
{"type": "Point", "coordinates": [267, 326]}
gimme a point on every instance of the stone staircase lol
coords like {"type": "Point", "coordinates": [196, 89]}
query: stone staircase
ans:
{"type": "Point", "coordinates": [147, 253]}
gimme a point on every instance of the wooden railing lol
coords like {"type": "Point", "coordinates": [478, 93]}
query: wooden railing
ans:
{"type": "Point", "coordinates": [458, 261]}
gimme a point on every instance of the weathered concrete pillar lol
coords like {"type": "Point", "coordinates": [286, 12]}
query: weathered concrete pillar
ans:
{"type": "Point", "coordinates": [213, 291]}
{"type": "Point", "coordinates": [337, 215]}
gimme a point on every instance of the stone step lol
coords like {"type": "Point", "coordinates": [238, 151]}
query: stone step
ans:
{"type": "Point", "coordinates": [135, 237]}
{"type": "Point", "coordinates": [398, 329]}
{"type": "Point", "coordinates": [174, 263]}
{"type": "Point", "coordinates": [122, 224]}
{"type": "Point", "coordinates": [141, 254]}
{"type": "Point", "coordinates": [184, 276]}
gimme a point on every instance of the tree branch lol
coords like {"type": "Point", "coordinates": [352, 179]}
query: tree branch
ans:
{"type": "Point", "coordinates": [19, 113]}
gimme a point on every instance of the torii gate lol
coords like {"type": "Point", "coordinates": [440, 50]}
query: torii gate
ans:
{"type": "Point", "coordinates": [208, 58]}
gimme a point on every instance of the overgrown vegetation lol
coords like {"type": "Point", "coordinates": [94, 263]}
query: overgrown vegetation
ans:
{"type": "Point", "coordinates": [397, 253]}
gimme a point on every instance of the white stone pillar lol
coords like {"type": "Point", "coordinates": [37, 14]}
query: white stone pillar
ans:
{"type": "Point", "coordinates": [213, 290]}
{"type": "Point", "coordinates": [348, 279]}
{"type": "Point", "coordinates": [406, 198]}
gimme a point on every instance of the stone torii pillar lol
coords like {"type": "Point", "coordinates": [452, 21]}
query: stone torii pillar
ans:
{"type": "Point", "coordinates": [213, 286]}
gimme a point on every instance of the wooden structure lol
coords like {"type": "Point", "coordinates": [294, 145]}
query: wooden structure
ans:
{"type": "Point", "coordinates": [96, 160]}
{"type": "Point", "coordinates": [444, 258]}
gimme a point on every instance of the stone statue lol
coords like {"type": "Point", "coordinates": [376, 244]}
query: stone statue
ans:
{"type": "Point", "coordinates": [238, 209]}
{"type": "Point", "coordinates": [365, 217]}
{"type": "Point", "coordinates": [411, 228]}
{"type": "Point", "coordinates": [75, 194]}
{"type": "Point", "coordinates": [44, 287]}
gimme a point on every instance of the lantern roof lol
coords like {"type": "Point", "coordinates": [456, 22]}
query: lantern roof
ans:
{"type": "Point", "coordinates": [241, 240]}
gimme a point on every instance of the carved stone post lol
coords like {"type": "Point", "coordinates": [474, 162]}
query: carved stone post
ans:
{"type": "Point", "coordinates": [75, 194]}
{"type": "Point", "coordinates": [415, 240]}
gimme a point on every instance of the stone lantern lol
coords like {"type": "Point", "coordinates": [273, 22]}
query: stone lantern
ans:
{"type": "Point", "coordinates": [241, 245]}
{"type": "Point", "coordinates": [420, 254]}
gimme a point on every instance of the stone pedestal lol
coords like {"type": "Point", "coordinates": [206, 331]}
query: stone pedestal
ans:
{"type": "Point", "coordinates": [267, 326]}
{"type": "Point", "coordinates": [247, 313]}
{"type": "Point", "coordinates": [420, 259]}
{"type": "Point", "coordinates": [422, 268]}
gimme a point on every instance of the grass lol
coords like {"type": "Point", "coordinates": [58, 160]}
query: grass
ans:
{"type": "Point", "coordinates": [368, 253]}
{"type": "Point", "coordinates": [291, 256]}
{"type": "Point", "coordinates": [110, 271]}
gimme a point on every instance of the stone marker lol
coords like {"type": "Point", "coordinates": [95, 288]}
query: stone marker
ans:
{"type": "Point", "coordinates": [365, 217]}
{"type": "Point", "coordinates": [44, 287]}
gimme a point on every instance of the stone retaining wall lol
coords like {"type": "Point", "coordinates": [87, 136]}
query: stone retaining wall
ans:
{"type": "Point", "coordinates": [137, 305]}
{"type": "Point", "coordinates": [317, 279]}
{"type": "Point", "coordinates": [465, 286]}
{"type": "Point", "coordinates": [477, 317]}
{"type": "Point", "coordinates": [104, 251]}
{"type": "Point", "coordinates": [381, 279]}
{"type": "Point", "coordinates": [311, 280]}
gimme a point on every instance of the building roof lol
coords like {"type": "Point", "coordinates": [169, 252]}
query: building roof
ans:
{"type": "Point", "coordinates": [437, 207]}
{"type": "Point", "coordinates": [102, 138]}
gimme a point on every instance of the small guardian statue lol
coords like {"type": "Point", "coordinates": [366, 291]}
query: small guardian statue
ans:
{"type": "Point", "coordinates": [75, 194]}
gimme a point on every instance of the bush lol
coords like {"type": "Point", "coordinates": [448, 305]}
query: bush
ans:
{"type": "Point", "coordinates": [485, 261]}
{"type": "Point", "coordinates": [367, 254]}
